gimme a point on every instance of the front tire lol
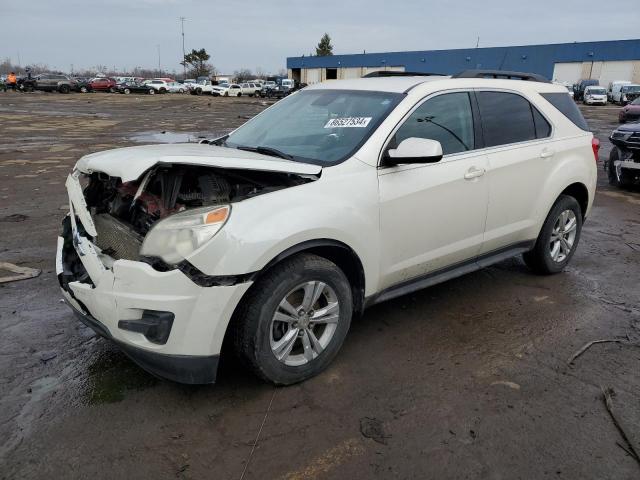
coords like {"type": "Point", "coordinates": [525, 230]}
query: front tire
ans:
{"type": "Point", "coordinates": [152, 92]}
{"type": "Point", "coordinates": [558, 238]}
{"type": "Point", "coordinates": [294, 320]}
{"type": "Point", "coordinates": [64, 89]}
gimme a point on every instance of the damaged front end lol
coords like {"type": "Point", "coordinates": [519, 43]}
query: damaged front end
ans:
{"type": "Point", "coordinates": [122, 259]}
{"type": "Point", "coordinates": [171, 211]}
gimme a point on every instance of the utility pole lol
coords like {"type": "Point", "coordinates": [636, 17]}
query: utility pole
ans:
{"type": "Point", "coordinates": [184, 64]}
{"type": "Point", "coordinates": [478, 42]}
{"type": "Point", "coordinates": [159, 69]}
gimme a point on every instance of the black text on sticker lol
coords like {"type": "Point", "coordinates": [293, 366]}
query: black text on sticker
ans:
{"type": "Point", "coordinates": [348, 122]}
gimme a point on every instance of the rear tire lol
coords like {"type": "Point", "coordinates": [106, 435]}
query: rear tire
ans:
{"type": "Point", "coordinates": [63, 89]}
{"type": "Point", "coordinates": [152, 91]}
{"type": "Point", "coordinates": [126, 91]}
{"type": "Point", "coordinates": [558, 238]}
{"type": "Point", "coordinates": [285, 345]}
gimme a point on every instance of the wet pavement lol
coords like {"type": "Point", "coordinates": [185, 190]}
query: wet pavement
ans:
{"type": "Point", "coordinates": [467, 379]}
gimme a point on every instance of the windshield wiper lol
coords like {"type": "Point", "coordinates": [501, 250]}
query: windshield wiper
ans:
{"type": "Point", "coordinates": [274, 152]}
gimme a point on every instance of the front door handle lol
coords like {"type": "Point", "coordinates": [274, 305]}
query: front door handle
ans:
{"type": "Point", "coordinates": [546, 153]}
{"type": "Point", "coordinates": [474, 172]}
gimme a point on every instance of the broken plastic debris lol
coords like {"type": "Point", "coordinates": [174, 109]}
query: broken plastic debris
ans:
{"type": "Point", "coordinates": [21, 273]}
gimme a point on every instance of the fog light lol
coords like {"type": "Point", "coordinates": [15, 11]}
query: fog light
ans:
{"type": "Point", "coordinates": [154, 325]}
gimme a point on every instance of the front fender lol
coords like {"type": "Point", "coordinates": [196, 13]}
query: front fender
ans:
{"type": "Point", "coordinates": [341, 206]}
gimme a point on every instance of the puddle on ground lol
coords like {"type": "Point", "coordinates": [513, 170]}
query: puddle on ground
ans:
{"type": "Point", "coordinates": [165, 136]}
{"type": "Point", "coordinates": [112, 375]}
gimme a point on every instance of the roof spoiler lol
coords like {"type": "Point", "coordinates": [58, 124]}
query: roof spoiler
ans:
{"type": "Point", "coordinates": [503, 74]}
{"type": "Point", "coordinates": [392, 73]}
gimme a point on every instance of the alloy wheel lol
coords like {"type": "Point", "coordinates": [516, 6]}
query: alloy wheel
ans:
{"type": "Point", "coordinates": [304, 323]}
{"type": "Point", "coordinates": [563, 236]}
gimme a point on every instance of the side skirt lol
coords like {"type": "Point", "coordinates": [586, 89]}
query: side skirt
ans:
{"type": "Point", "coordinates": [450, 272]}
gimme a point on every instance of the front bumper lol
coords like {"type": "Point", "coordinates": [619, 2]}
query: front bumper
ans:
{"type": "Point", "coordinates": [190, 369]}
{"type": "Point", "coordinates": [107, 292]}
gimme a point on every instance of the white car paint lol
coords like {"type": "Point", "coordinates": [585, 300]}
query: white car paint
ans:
{"type": "Point", "coordinates": [595, 95]}
{"type": "Point", "coordinates": [401, 222]}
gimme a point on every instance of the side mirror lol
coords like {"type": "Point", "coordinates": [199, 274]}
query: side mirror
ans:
{"type": "Point", "coordinates": [414, 150]}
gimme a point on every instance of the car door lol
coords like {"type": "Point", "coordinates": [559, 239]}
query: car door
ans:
{"type": "Point", "coordinates": [432, 215]}
{"type": "Point", "coordinates": [516, 137]}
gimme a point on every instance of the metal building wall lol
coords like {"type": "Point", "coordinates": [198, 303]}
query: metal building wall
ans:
{"type": "Point", "coordinates": [531, 58]}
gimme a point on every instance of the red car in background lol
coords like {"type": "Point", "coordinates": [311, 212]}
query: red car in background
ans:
{"type": "Point", "coordinates": [630, 112]}
{"type": "Point", "coordinates": [103, 84]}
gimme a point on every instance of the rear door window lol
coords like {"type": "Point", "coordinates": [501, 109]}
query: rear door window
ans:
{"type": "Point", "coordinates": [509, 118]}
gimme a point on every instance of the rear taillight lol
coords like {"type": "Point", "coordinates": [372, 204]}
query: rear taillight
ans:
{"type": "Point", "coordinates": [595, 146]}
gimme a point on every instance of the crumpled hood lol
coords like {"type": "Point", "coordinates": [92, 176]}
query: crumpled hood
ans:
{"type": "Point", "coordinates": [130, 163]}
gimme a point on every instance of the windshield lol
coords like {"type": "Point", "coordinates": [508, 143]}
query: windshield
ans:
{"type": "Point", "coordinates": [317, 126]}
{"type": "Point", "coordinates": [597, 91]}
{"type": "Point", "coordinates": [631, 89]}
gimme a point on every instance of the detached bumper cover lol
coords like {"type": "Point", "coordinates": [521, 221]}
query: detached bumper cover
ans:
{"type": "Point", "coordinates": [189, 369]}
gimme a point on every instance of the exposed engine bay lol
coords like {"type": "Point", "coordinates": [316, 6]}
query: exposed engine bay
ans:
{"type": "Point", "coordinates": [125, 212]}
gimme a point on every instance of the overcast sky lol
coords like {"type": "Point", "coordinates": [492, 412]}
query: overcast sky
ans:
{"type": "Point", "coordinates": [261, 34]}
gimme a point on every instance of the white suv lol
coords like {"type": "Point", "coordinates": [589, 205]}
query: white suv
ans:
{"type": "Point", "coordinates": [339, 196]}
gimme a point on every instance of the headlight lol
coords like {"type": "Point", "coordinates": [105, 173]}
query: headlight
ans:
{"type": "Point", "coordinates": [618, 135]}
{"type": "Point", "coordinates": [179, 235]}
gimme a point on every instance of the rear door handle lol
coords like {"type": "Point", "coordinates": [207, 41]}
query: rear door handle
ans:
{"type": "Point", "coordinates": [474, 172]}
{"type": "Point", "coordinates": [546, 153]}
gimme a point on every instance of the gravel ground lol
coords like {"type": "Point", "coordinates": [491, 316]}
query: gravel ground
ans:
{"type": "Point", "coordinates": [468, 379]}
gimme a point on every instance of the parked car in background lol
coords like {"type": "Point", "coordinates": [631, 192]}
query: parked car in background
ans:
{"type": "Point", "coordinates": [135, 87]}
{"type": "Point", "coordinates": [189, 83]}
{"type": "Point", "coordinates": [160, 86]}
{"type": "Point", "coordinates": [103, 84]}
{"type": "Point", "coordinates": [623, 164]}
{"type": "Point", "coordinates": [594, 95]}
{"type": "Point", "coordinates": [613, 92]}
{"type": "Point", "coordinates": [249, 89]}
{"type": "Point", "coordinates": [83, 84]}
{"type": "Point", "coordinates": [234, 90]}
{"type": "Point", "coordinates": [176, 87]}
{"type": "Point", "coordinates": [337, 198]}
{"type": "Point", "coordinates": [220, 90]}
{"type": "Point", "coordinates": [628, 93]}
{"type": "Point", "coordinates": [201, 87]}
{"type": "Point", "coordinates": [630, 112]}
{"type": "Point", "coordinates": [580, 86]}
{"type": "Point", "coordinates": [48, 82]}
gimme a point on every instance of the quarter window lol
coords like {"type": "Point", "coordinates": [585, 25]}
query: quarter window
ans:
{"type": "Point", "coordinates": [510, 118]}
{"type": "Point", "coordinates": [446, 118]}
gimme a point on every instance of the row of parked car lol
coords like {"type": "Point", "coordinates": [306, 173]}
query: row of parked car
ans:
{"type": "Point", "coordinates": [126, 85]}
{"type": "Point", "coordinates": [255, 88]}
{"type": "Point", "coordinates": [590, 92]}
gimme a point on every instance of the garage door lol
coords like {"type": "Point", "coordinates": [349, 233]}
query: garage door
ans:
{"type": "Point", "coordinates": [312, 75]}
{"type": "Point", "coordinates": [612, 71]}
{"type": "Point", "coordinates": [567, 72]}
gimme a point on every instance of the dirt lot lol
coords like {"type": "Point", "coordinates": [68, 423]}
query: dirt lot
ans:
{"type": "Point", "coordinates": [468, 379]}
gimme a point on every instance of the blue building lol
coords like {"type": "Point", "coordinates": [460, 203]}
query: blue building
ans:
{"type": "Point", "coordinates": [563, 62]}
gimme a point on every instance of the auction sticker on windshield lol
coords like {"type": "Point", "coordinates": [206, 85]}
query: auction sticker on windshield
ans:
{"type": "Point", "coordinates": [348, 122]}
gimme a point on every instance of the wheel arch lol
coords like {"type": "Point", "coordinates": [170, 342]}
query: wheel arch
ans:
{"type": "Point", "coordinates": [580, 192]}
{"type": "Point", "coordinates": [335, 251]}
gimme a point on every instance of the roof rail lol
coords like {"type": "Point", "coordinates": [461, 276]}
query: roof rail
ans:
{"type": "Point", "coordinates": [505, 74]}
{"type": "Point", "coordinates": [392, 73]}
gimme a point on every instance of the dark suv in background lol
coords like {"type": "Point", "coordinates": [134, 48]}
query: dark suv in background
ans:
{"type": "Point", "coordinates": [623, 165]}
{"type": "Point", "coordinates": [48, 82]}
